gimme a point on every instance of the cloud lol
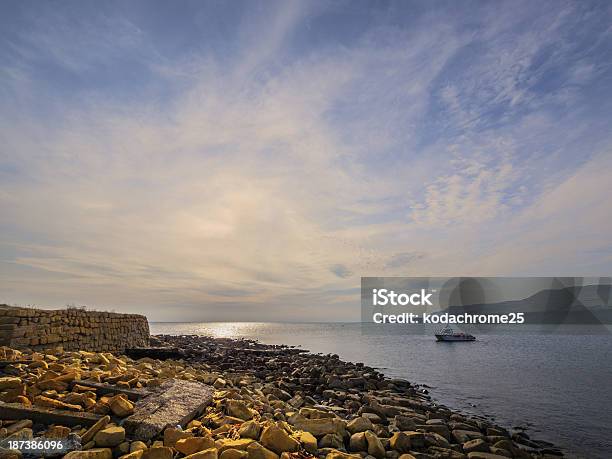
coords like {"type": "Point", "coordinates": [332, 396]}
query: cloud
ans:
{"type": "Point", "coordinates": [341, 271]}
{"type": "Point", "coordinates": [401, 260]}
{"type": "Point", "coordinates": [272, 176]}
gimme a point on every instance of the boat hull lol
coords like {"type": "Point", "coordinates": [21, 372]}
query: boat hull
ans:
{"type": "Point", "coordinates": [453, 338]}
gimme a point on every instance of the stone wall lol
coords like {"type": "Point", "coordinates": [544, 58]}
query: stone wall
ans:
{"type": "Point", "coordinates": [74, 329]}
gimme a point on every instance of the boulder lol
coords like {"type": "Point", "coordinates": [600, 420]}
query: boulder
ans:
{"type": "Point", "coordinates": [238, 409]}
{"type": "Point", "coordinates": [359, 424]}
{"type": "Point", "coordinates": [331, 440]}
{"type": "Point", "coordinates": [322, 426]}
{"type": "Point", "coordinates": [250, 429]}
{"type": "Point", "coordinates": [122, 448]}
{"type": "Point", "coordinates": [358, 442]}
{"type": "Point", "coordinates": [296, 401]}
{"type": "Point", "coordinates": [257, 451]}
{"type": "Point", "coordinates": [335, 454]}
{"type": "Point", "coordinates": [417, 439]}
{"type": "Point", "coordinates": [110, 437]}
{"type": "Point", "coordinates": [433, 439]}
{"type": "Point", "coordinates": [192, 445]}
{"type": "Point", "coordinates": [137, 446]}
{"type": "Point", "coordinates": [172, 435]}
{"type": "Point", "coordinates": [278, 440]}
{"type": "Point", "coordinates": [94, 453]}
{"type": "Point", "coordinates": [375, 446]}
{"type": "Point", "coordinates": [133, 455]}
{"type": "Point", "coordinates": [227, 443]}
{"type": "Point", "coordinates": [314, 413]}
{"type": "Point", "coordinates": [373, 417]}
{"type": "Point", "coordinates": [500, 451]}
{"type": "Point", "coordinates": [481, 455]}
{"type": "Point", "coordinates": [506, 444]}
{"type": "Point", "coordinates": [48, 402]}
{"type": "Point", "coordinates": [438, 429]}
{"type": "Point", "coordinates": [210, 453]}
{"type": "Point", "coordinates": [446, 453]}
{"type": "Point", "coordinates": [9, 382]}
{"type": "Point", "coordinates": [121, 406]}
{"type": "Point", "coordinates": [232, 453]}
{"type": "Point", "coordinates": [158, 452]}
{"type": "Point", "coordinates": [462, 436]}
{"type": "Point", "coordinates": [308, 441]}
{"type": "Point", "coordinates": [57, 432]}
{"type": "Point", "coordinates": [476, 445]}
{"type": "Point", "coordinates": [400, 442]}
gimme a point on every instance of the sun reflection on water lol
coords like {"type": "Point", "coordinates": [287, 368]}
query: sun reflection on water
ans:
{"type": "Point", "coordinates": [235, 330]}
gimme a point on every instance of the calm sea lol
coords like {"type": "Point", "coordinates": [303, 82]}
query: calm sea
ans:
{"type": "Point", "coordinates": [560, 386]}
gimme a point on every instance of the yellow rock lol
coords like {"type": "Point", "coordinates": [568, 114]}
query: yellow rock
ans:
{"type": "Point", "coordinates": [10, 382]}
{"type": "Point", "coordinates": [86, 400]}
{"type": "Point", "coordinates": [210, 453]}
{"type": "Point", "coordinates": [250, 429]}
{"type": "Point", "coordinates": [133, 455]}
{"type": "Point", "coordinates": [192, 445]}
{"type": "Point", "coordinates": [256, 451]}
{"type": "Point", "coordinates": [137, 446]}
{"type": "Point", "coordinates": [226, 443]}
{"type": "Point", "coordinates": [101, 407]}
{"type": "Point", "coordinates": [21, 434]}
{"type": "Point", "coordinates": [121, 406]}
{"type": "Point", "coordinates": [158, 452]}
{"type": "Point", "coordinates": [335, 454]}
{"type": "Point", "coordinates": [278, 440]}
{"type": "Point", "coordinates": [95, 453]}
{"type": "Point", "coordinates": [41, 400]}
{"type": "Point", "coordinates": [57, 432]}
{"type": "Point", "coordinates": [194, 423]}
{"type": "Point", "coordinates": [239, 409]}
{"type": "Point", "coordinates": [11, 429]}
{"type": "Point", "coordinates": [100, 424]}
{"type": "Point", "coordinates": [122, 449]}
{"type": "Point", "coordinates": [23, 400]}
{"type": "Point", "coordinates": [321, 426]}
{"type": "Point", "coordinates": [232, 453]}
{"type": "Point", "coordinates": [172, 435]}
{"type": "Point", "coordinates": [110, 436]}
{"type": "Point", "coordinates": [89, 445]}
{"type": "Point", "coordinates": [38, 364]}
{"type": "Point", "coordinates": [307, 440]}
{"type": "Point", "coordinates": [10, 453]}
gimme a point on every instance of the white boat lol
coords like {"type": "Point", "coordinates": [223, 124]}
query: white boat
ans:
{"type": "Point", "coordinates": [448, 334]}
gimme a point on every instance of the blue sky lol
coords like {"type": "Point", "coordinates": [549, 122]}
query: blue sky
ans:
{"type": "Point", "coordinates": [252, 160]}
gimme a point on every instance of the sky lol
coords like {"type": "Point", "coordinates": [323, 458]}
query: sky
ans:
{"type": "Point", "coordinates": [251, 161]}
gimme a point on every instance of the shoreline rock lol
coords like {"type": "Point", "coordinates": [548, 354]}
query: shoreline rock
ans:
{"type": "Point", "coordinates": [269, 402]}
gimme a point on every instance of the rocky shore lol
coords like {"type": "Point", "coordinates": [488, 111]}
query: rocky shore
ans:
{"type": "Point", "coordinates": [267, 402]}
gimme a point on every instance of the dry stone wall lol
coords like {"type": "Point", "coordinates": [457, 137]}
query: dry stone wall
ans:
{"type": "Point", "coordinates": [74, 329]}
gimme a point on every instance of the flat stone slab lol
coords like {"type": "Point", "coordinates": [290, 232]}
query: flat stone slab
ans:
{"type": "Point", "coordinates": [16, 411]}
{"type": "Point", "coordinates": [175, 402]}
